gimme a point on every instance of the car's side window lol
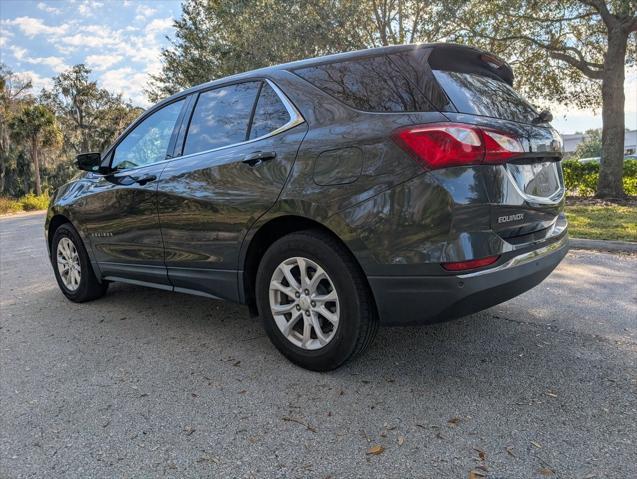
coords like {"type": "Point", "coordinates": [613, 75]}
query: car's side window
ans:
{"type": "Point", "coordinates": [269, 114]}
{"type": "Point", "coordinates": [221, 117]}
{"type": "Point", "coordinates": [148, 142]}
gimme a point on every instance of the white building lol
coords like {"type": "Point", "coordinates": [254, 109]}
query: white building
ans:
{"type": "Point", "coordinates": [572, 140]}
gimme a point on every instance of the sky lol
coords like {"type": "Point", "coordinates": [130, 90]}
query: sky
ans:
{"type": "Point", "coordinates": [120, 40]}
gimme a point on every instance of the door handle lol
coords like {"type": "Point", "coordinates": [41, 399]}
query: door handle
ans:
{"type": "Point", "coordinates": [253, 159]}
{"type": "Point", "coordinates": [142, 180]}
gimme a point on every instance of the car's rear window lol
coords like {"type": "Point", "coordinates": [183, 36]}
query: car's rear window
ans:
{"type": "Point", "coordinates": [482, 95]}
{"type": "Point", "coordinates": [382, 83]}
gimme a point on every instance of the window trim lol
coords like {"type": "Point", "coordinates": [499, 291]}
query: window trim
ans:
{"type": "Point", "coordinates": [295, 116]}
{"type": "Point", "coordinates": [110, 153]}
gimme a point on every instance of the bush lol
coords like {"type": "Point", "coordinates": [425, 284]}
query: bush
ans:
{"type": "Point", "coordinates": [32, 202]}
{"type": "Point", "coordinates": [29, 202]}
{"type": "Point", "coordinates": [9, 205]}
{"type": "Point", "coordinates": [581, 178]}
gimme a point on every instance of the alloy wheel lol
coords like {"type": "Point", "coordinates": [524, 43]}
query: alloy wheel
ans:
{"type": "Point", "coordinates": [304, 303]}
{"type": "Point", "coordinates": [68, 263]}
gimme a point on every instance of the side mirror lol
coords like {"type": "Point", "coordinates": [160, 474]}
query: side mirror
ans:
{"type": "Point", "coordinates": [89, 162]}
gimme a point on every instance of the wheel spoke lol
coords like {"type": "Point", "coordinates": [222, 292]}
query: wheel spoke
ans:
{"type": "Point", "coordinates": [307, 331]}
{"type": "Point", "coordinates": [290, 324]}
{"type": "Point", "coordinates": [287, 290]}
{"type": "Point", "coordinates": [287, 272]}
{"type": "Point", "coordinates": [305, 281]}
{"type": "Point", "coordinates": [331, 317]}
{"type": "Point", "coordinates": [325, 298]}
{"type": "Point", "coordinates": [316, 279]}
{"type": "Point", "coordinates": [317, 329]}
{"type": "Point", "coordinates": [283, 308]}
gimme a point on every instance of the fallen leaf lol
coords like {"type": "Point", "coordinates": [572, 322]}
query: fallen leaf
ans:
{"type": "Point", "coordinates": [509, 450]}
{"type": "Point", "coordinates": [539, 446]}
{"type": "Point", "coordinates": [376, 450]}
{"type": "Point", "coordinates": [481, 453]}
{"type": "Point", "coordinates": [189, 430]}
{"type": "Point", "coordinates": [237, 363]}
{"type": "Point", "coordinates": [243, 391]}
{"type": "Point", "coordinates": [401, 440]}
{"type": "Point", "coordinates": [475, 474]}
{"type": "Point", "coordinates": [454, 421]}
{"type": "Point", "coordinates": [545, 471]}
{"type": "Point", "coordinates": [552, 394]}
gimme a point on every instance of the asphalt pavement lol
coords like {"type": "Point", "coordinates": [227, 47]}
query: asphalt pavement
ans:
{"type": "Point", "coordinates": [146, 383]}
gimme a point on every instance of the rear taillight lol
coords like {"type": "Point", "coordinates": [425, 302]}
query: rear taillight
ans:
{"type": "Point", "coordinates": [471, 264]}
{"type": "Point", "coordinates": [441, 145]}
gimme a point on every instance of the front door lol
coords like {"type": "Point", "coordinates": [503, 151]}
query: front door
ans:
{"type": "Point", "coordinates": [237, 154]}
{"type": "Point", "coordinates": [120, 212]}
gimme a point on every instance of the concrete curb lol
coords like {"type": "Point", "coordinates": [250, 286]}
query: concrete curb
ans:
{"type": "Point", "coordinates": [603, 245]}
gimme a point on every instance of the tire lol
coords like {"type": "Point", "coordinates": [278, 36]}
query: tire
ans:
{"type": "Point", "coordinates": [355, 310]}
{"type": "Point", "coordinates": [70, 244]}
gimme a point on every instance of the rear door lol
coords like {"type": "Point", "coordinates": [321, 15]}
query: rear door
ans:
{"type": "Point", "coordinates": [238, 151]}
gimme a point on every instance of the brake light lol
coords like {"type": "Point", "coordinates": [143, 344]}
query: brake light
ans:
{"type": "Point", "coordinates": [441, 145]}
{"type": "Point", "coordinates": [471, 264]}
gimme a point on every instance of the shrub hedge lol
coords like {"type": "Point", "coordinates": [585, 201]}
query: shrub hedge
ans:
{"type": "Point", "coordinates": [580, 179]}
{"type": "Point", "coordinates": [29, 202]}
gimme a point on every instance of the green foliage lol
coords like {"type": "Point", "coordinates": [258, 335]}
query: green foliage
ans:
{"type": "Point", "coordinates": [43, 135]}
{"type": "Point", "coordinates": [29, 202]}
{"type": "Point", "coordinates": [9, 205]}
{"type": "Point", "coordinates": [580, 179]}
{"type": "Point", "coordinates": [33, 202]}
{"type": "Point", "coordinates": [215, 39]}
{"type": "Point", "coordinates": [591, 147]}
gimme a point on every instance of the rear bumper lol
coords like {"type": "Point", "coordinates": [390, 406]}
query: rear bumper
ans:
{"type": "Point", "coordinates": [408, 300]}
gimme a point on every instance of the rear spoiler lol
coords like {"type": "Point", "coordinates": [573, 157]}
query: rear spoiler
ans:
{"type": "Point", "coordinates": [464, 59]}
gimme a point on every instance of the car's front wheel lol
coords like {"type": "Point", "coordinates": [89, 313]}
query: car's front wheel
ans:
{"type": "Point", "coordinates": [72, 266]}
{"type": "Point", "coordinates": [314, 300]}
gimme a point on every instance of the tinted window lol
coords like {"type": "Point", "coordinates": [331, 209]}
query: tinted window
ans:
{"type": "Point", "coordinates": [486, 96]}
{"type": "Point", "coordinates": [148, 142]}
{"type": "Point", "coordinates": [221, 117]}
{"type": "Point", "coordinates": [269, 114]}
{"type": "Point", "coordinates": [372, 84]}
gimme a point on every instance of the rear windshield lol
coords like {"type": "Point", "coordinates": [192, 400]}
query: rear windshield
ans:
{"type": "Point", "coordinates": [382, 83]}
{"type": "Point", "coordinates": [485, 96]}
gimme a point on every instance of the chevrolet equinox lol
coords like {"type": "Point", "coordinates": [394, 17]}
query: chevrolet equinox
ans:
{"type": "Point", "coordinates": [402, 185]}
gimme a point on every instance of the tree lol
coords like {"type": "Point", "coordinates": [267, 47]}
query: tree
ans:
{"type": "Point", "coordinates": [90, 117]}
{"type": "Point", "coordinates": [565, 50]}
{"type": "Point", "coordinates": [36, 125]}
{"type": "Point", "coordinates": [591, 146]}
{"type": "Point", "coordinates": [214, 39]}
{"type": "Point", "coordinates": [13, 92]}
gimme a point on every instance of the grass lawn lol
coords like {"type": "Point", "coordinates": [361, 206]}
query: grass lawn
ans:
{"type": "Point", "coordinates": [601, 220]}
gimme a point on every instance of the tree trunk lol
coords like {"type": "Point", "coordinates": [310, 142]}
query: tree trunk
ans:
{"type": "Point", "coordinates": [609, 184]}
{"type": "Point", "coordinates": [36, 165]}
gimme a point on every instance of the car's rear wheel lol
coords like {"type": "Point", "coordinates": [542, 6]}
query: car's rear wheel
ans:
{"type": "Point", "coordinates": [72, 267]}
{"type": "Point", "coordinates": [315, 303]}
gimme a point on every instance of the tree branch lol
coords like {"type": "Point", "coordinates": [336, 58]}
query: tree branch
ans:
{"type": "Point", "coordinates": [609, 19]}
{"type": "Point", "coordinates": [574, 62]}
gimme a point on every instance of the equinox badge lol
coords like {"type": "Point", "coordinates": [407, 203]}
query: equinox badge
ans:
{"type": "Point", "coordinates": [508, 218]}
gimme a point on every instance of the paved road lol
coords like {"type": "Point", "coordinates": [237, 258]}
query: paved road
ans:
{"type": "Point", "coordinates": [145, 383]}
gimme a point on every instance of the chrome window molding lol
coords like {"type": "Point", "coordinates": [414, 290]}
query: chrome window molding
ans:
{"type": "Point", "coordinates": [295, 119]}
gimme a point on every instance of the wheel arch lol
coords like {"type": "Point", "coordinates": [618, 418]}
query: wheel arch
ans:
{"type": "Point", "coordinates": [264, 237]}
{"type": "Point", "coordinates": [54, 223]}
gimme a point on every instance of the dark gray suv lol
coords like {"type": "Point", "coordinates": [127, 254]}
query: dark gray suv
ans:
{"type": "Point", "coordinates": [394, 186]}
